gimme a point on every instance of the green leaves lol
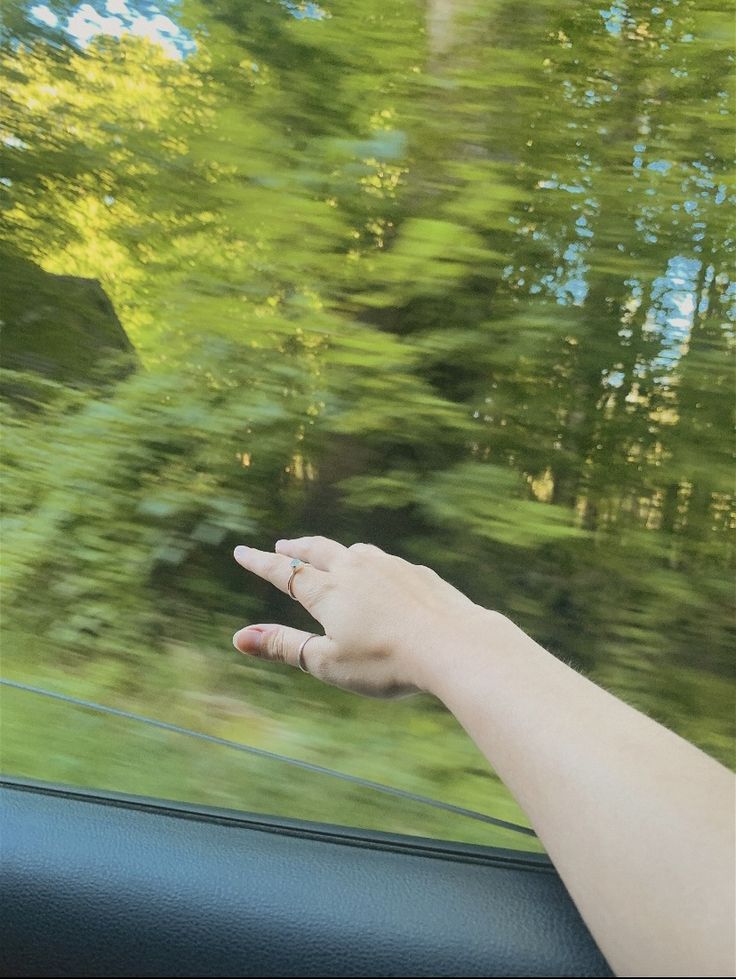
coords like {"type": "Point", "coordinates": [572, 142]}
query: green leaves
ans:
{"type": "Point", "coordinates": [464, 293]}
{"type": "Point", "coordinates": [471, 501]}
{"type": "Point", "coordinates": [485, 501]}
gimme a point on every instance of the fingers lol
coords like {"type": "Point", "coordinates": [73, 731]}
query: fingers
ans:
{"type": "Point", "coordinates": [306, 585]}
{"type": "Point", "coordinates": [321, 552]}
{"type": "Point", "coordinates": [281, 643]}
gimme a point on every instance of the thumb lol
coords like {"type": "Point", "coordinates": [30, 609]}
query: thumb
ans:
{"type": "Point", "coordinates": [280, 643]}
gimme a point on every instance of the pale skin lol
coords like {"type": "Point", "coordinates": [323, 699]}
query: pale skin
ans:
{"type": "Point", "coordinates": [638, 822]}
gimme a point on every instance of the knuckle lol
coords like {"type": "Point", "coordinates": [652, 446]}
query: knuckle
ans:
{"type": "Point", "coordinates": [274, 563]}
{"type": "Point", "coordinates": [277, 646]}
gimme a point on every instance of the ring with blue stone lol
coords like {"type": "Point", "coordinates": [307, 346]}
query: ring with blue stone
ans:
{"type": "Point", "coordinates": [295, 564]}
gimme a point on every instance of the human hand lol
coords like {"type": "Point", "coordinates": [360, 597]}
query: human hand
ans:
{"type": "Point", "coordinates": [382, 615]}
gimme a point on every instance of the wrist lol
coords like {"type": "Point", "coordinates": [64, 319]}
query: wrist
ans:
{"type": "Point", "coordinates": [462, 642]}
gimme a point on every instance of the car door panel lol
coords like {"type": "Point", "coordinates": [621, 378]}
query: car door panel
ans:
{"type": "Point", "coordinates": [102, 885]}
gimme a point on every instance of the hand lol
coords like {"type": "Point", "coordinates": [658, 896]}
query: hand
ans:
{"type": "Point", "coordinates": [381, 615]}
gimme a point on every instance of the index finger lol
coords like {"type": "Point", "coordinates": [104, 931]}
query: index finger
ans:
{"type": "Point", "coordinates": [321, 552]}
{"type": "Point", "coordinates": [277, 569]}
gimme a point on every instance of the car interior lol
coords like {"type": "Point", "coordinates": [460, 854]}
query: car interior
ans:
{"type": "Point", "coordinates": [110, 885]}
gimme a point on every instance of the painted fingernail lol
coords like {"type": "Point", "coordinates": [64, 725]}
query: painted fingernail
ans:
{"type": "Point", "coordinates": [241, 552]}
{"type": "Point", "coordinates": [248, 640]}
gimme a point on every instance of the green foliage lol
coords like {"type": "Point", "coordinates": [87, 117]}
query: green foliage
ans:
{"type": "Point", "coordinates": [464, 294]}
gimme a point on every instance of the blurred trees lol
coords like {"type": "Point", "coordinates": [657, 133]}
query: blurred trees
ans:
{"type": "Point", "coordinates": [469, 300]}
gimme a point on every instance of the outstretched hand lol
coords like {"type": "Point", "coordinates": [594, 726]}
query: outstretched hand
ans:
{"type": "Point", "coordinates": [378, 611]}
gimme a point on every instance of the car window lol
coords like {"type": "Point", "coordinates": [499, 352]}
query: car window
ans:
{"type": "Point", "coordinates": [448, 278]}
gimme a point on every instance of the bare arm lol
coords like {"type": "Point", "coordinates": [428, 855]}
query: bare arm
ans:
{"type": "Point", "coordinates": [639, 823]}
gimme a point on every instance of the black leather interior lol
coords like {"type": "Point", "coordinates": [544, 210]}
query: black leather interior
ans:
{"type": "Point", "coordinates": [97, 885]}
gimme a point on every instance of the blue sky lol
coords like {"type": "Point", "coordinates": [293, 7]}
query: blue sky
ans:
{"type": "Point", "coordinates": [119, 19]}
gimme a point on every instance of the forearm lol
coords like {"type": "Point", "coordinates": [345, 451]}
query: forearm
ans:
{"type": "Point", "coordinates": [639, 823]}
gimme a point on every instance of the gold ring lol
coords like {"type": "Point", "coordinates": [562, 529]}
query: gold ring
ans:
{"type": "Point", "coordinates": [300, 654]}
{"type": "Point", "coordinates": [296, 564]}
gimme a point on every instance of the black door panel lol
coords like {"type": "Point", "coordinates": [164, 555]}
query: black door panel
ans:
{"type": "Point", "coordinates": [104, 886]}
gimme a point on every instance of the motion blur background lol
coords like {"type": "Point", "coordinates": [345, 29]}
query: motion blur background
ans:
{"type": "Point", "coordinates": [451, 277]}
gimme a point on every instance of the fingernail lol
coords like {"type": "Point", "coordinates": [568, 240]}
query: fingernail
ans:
{"type": "Point", "coordinates": [241, 552]}
{"type": "Point", "coordinates": [282, 541]}
{"type": "Point", "coordinates": [248, 640]}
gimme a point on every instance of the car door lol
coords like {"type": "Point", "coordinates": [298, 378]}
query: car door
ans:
{"type": "Point", "coordinates": [101, 884]}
